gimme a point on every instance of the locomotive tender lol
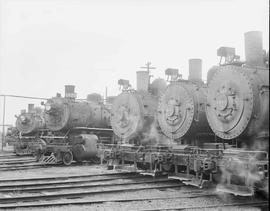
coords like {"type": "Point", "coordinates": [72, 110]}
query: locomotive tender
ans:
{"type": "Point", "coordinates": [205, 134]}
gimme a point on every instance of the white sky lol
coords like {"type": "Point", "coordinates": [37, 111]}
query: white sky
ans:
{"type": "Point", "coordinates": [46, 44]}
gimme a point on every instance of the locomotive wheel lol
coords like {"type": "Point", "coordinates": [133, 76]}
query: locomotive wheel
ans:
{"type": "Point", "coordinates": [67, 158]}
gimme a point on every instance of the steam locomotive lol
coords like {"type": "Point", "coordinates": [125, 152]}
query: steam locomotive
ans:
{"type": "Point", "coordinates": [74, 127]}
{"type": "Point", "coordinates": [200, 133]}
{"type": "Point", "coordinates": [30, 125]}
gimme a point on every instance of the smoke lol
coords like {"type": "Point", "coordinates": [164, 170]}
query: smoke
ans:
{"type": "Point", "coordinates": [244, 168]}
{"type": "Point", "coordinates": [154, 137]}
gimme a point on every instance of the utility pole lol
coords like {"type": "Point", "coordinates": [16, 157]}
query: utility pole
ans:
{"type": "Point", "coordinates": [3, 127]}
{"type": "Point", "coordinates": [147, 66]}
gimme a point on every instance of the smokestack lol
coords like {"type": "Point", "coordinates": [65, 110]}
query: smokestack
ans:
{"type": "Point", "coordinates": [254, 48]}
{"type": "Point", "coordinates": [70, 91]}
{"type": "Point", "coordinates": [195, 70]}
{"type": "Point", "coordinates": [143, 80]}
{"type": "Point", "coordinates": [30, 108]}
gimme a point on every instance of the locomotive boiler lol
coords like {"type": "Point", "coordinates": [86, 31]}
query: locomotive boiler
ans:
{"type": "Point", "coordinates": [133, 111]}
{"type": "Point", "coordinates": [181, 109]}
{"type": "Point", "coordinates": [63, 113]}
{"type": "Point", "coordinates": [30, 125]}
{"type": "Point", "coordinates": [75, 126]}
{"type": "Point", "coordinates": [238, 96]}
{"type": "Point", "coordinates": [237, 110]}
{"type": "Point", "coordinates": [31, 121]}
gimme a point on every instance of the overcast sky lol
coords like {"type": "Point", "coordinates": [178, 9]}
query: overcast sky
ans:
{"type": "Point", "coordinates": [46, 44]}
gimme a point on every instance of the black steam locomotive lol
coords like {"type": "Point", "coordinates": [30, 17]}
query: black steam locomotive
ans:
{"type": "Point", "coordinates": [74, 127]}
{"type": "Point", "coordinates": [30, 125]}
{"type": "Point", "coordinates": [200, 133]}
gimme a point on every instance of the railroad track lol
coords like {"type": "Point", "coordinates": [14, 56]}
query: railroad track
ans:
{"type": "Point", "coordinates": [263, 205]}
{"type": "Point", "coordinates": [18, 163]}
{"type": "Point", "coordinates": [12, 156]}
{"type": "Point", "coordinates": [20, 166]}
{"type": "Point", "coordinates": [88, 185]}
{"type": "Point", "coordinates": [99, 189]}
{"type": "Point", "coordinates": [10, 162]}
{"type": "Point", "coordinates": [32, 164]}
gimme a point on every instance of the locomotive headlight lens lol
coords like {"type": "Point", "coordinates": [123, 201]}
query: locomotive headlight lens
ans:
{"type": "Point", "coordinates": [23, 119]}
{"type": "Point", "coordinates": [48, 107]}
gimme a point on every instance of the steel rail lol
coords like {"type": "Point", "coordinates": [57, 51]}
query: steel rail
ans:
{"type": "Point", "coordinates": [61, 177]}
{"type": "Point", "coordinates": [19, 164]}
{"type": "Point", "coordinates": [69, 182]}
{"type": "Point", "coordinates": [10, 162]}
{"type": "Point", "coordinates": [16, 199]}
{"type": "Point", "coordinates": [243, 204]}
{"type": "Point", "coordinates": [85, 202]}
{"type": "Point", "coordinates": [21, 168]}
{"type": "Point", "coordinates": [82, 185]}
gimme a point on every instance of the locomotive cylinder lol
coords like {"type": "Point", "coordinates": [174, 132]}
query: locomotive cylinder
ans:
{"type": "Point", "coordinates": [88, 149]}
{"type": "Point", "coordinates": [253, 48]}
{"type": "Point", "coordinates": [195, 70]}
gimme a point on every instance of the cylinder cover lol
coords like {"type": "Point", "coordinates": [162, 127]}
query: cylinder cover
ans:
{"type": "Point", "coordinates": [181, 110]}
{"type": "Point", "coordinates": [87, 150]}
{"type": "Point", "coordinates": [132, 113]}
{"type": "Point", "coordinates": [237, 103]}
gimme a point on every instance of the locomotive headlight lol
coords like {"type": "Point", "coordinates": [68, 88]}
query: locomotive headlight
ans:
{"type": "Point", "coordinates": [47, 107]}
{"type": "Point", "coordinates": [23, 119]}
